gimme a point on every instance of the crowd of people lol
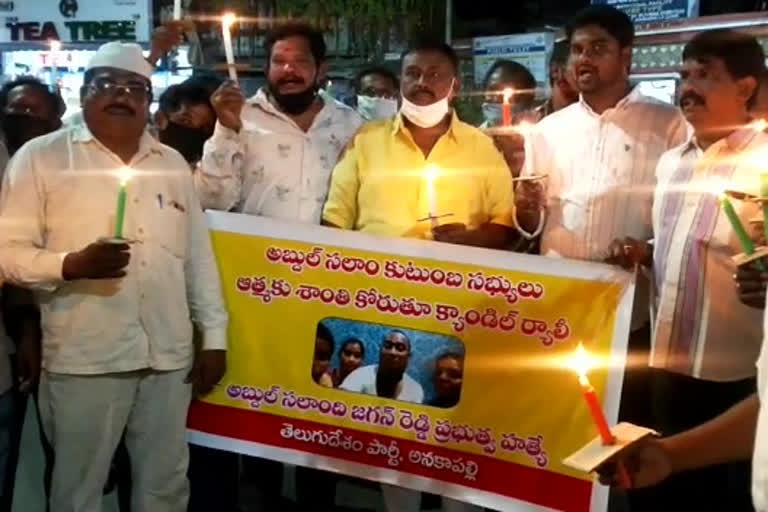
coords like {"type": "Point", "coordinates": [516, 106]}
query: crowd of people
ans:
{"type": "Point", "coordinates": [101, 329]}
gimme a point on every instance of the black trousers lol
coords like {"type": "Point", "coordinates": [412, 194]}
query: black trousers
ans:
{"type": "Point", "coordinates": [680, 403]}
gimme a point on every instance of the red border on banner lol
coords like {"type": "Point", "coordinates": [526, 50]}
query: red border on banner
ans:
{"type": "Point", "coordinates": [532, 485]}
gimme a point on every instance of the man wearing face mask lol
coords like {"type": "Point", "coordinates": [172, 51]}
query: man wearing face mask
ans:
{"type": "Point", "coordinates": [272, 155]}
{"type": "Point", "coordinates": [473, 182]}
{"type": "Point", "coordinates": [377, 90]}
{"type": "Point", "coordinates": [185, 118]}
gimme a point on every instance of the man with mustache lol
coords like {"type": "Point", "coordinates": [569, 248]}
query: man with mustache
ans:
{"type": "Point", "coordinates": [705, 342]}
{"type": "Point", "coordinates": [272, 155]}
{"type": "Point", "coordinates": [561, 82]}
{"type": "Point", "coordinates": [391, 158]}
{"type": "Point", "coordinates": [388, 379]}
{"type": "Point", "coordinates": [600, 155]}
{"type": "Point", "coordinates": [116, 318]}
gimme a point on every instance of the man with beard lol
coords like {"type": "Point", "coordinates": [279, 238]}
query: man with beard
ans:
{"type": "Point", "coordinates": [705, 342]}
{"type": "Point", "coordinates": [388, 379]}
{"type": "Point", "coordinates": [185, 118]}
{"type": "Point", "coordinates": [116, 318]}
{"type": "Point", "coordinates": [391, 158]}
{"type": "Point", "coordinates": [273, 154]}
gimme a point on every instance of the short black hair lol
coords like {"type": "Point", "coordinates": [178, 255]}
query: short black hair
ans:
{"type": "Point", "coordinates": [193, 91]}
{"type": "Point", "coordinates": [741, 53]}
{"type": "Point", "coordinates": [55, 102]}
{"type": "Point", "coordinates": [607, 17]}
{"type": "Point", "coordinates": [560, 53]}
{"type": "Point", "coordinates": [353, 341]}
{"type": "Point", "coordinates": [297, 29]}
{"type": "Point", "coordinates": [324, 333]}
{"type": "Point", "coordinates": [401, 333]}
{"type": "Point", "coordinates": [450, 355]}
{"type": "Point", "coordinates": [522, 78]}
{"type": "Point", "coordinates": [376, 70]}
{"type": "Point", "coordinates": [436, 46]}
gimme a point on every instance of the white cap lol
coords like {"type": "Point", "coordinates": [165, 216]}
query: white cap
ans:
{"type": "Point", "coordinates": [125, 56]}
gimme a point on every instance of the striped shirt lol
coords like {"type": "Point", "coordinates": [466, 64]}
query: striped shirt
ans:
{"type": "Point", "coordinates": [700, 327]}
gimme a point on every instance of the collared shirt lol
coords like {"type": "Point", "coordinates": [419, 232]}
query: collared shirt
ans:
{"type": "Point", "coordinates": [59, 196]}
{"type": "Point", "coordinates": [272, 167]}
{"type": "Point", "coordinates": [701, 329]}
{"type": "Point", "coordinates": [363, 380]}
{"type": "Point", "coordinates": [381, 185]}
{"type": "Point", "coordinates": [601, 170]}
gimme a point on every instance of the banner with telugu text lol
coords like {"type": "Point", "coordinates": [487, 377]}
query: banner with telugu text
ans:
{"type": "Point", "coordinates": [486, 409]}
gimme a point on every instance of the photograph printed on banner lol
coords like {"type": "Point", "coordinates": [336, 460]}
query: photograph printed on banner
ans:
{"type": "Point", "coordinates": [401, 364]}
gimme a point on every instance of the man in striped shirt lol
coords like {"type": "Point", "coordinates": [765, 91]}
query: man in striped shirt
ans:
{"type": "Point", "coordinates": [705, 342]}
{"type": "Point", "coordinates": [600, 155]}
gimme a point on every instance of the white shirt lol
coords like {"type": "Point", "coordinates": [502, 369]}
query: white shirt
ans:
{"type": "Point", "coordinates": [60, 195]}
{"type": "Point", "coordinates": [701, 329]}
{"type": "Point", "coordinates": [363, 380]}
{"type": "Point", "coordinates": [760, 456]}
{"type": "Point", "coordinates": [601, 170]}
{"type": "Point", "coordinates": [272, 167]}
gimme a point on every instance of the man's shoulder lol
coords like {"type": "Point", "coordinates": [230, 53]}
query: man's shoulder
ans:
{"type": "Point", "coordinates": [53, 143]}
{"type": "Point", "coordinates": [650, 106]}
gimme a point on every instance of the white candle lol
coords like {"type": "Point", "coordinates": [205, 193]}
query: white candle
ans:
{"type": "Point", "coordinates": [176, 10]}
{"type": "Point", "coordinates": [431, 178]}
{"type": "Point", "coordinates": [54, 55]}
{"type": "Point", "coordinates": [226, 23]}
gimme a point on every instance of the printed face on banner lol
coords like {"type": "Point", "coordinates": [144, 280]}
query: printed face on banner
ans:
{"type": "Point", "coordinates": [390, 362]}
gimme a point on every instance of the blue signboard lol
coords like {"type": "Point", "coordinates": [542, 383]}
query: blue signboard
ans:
{"type": "Point", "coordinates": [655, 11]}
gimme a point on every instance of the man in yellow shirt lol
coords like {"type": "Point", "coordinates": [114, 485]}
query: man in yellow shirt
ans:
{"type": "Point", "coordinates": [424, 163]}
{"type": "Point", "coordinates": [405, 176]}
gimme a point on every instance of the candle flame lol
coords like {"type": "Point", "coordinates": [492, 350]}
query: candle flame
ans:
{"type": "Point", "coordinates": [228, 19]}
{"type": "Point", "coordinates": [125, 174]}
{"type": "Point", "coordinates": [55, 45]}
{"type": "Point", "coordinates": [524, 127]}
{"type": "Point", "coordinates": [507, 94]}
{"type": "Point", "coordinates": [582, 362]}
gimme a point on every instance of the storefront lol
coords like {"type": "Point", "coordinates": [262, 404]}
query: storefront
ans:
{"type": "Point", "coordinates": [29, 27]}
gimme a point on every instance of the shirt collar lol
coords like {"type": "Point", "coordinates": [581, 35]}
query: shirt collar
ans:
{"type": "Point", "coordinates": [736, 141]}
{"type": "Point", "coordinates": [634, 96]}
{"type": "Point", "coordinates": [454, 129]}
{"type": "Point", "coordinates": [147, 144]}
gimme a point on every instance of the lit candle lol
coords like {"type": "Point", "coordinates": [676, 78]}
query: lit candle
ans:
{"type": "Point", "coordinates": [581, 362]}
{"type": "Point", "coordinates": [506, 107]}
{"type": "Point", "coordinates": [226, 24]}
{"type": "Point", "coordinates": [122, 194]}
{"type": "Point", "coordinates": [176, 10]}
{"type": "Point", "coordinates": [730, 212]}
{"type": "Point", "coordinates": [55, 47]}
{"type": "Point", "coordinates": [431, 177]}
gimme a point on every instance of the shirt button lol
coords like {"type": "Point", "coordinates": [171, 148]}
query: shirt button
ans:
{"type": "Point", "coordinates": [141, 231]}
{"type": "Point", "coordinates": [136, 201]}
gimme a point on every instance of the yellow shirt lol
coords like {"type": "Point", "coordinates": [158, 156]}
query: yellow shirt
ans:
{"type": "Point", "coordinates": [380, 185]}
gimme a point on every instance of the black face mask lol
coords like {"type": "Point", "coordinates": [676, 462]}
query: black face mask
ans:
{"type": "Point", "coordinates": [21, 128]}
{"type": "Point", "coordinates": [294, 103]}
{"type": "Point", "coordinates": [187, 141]}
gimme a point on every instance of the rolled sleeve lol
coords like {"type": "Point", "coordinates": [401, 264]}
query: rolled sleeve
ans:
{"type": "Point", "coordinates": [341, 207]}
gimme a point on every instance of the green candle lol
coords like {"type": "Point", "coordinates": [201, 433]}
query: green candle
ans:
{"type": "Point", "coordinates": [125, 175]}
{"type": "Point", "coordinates": [738, 227]}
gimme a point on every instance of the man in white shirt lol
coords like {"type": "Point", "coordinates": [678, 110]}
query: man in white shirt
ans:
{"type": "Point", "coordinates": [388, 378]}
{"type": "Point", "coordinates": [273, 154]}
{"type": "Point", "coordinates": [117, 336]}
{"type": "Point", "coordinates": [704, 341]}
{"type": "Point", "coordinates": [600, 155]}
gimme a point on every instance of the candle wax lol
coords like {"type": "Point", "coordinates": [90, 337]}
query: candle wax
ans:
{"type": "Point", "coordinates": [596, 411]}
{"type": "Point", "coordinates": [176, 10]}
{"type": "Point", "coordinates": [228, 51]}
{"type": "Point", "coordinates": [120, 216]}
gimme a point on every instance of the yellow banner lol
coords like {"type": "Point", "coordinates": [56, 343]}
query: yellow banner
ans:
{"type": "Point", "coordinates": [421, 363]}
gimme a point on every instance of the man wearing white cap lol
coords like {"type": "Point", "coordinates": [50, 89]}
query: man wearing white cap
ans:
{"type": "Point", "coordinates": [117, 337]}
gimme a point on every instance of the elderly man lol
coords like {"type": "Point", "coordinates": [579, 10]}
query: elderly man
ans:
{"type": "Point", "coordinates": [388, 379]}
{"type": "Point", "coordinates": [117, 336]}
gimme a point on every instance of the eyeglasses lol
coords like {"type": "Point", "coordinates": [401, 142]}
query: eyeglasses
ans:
{"type": "Point", "coordinates": [137, 91]}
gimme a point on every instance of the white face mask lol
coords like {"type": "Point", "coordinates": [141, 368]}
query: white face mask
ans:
{"type": "Point", "coordinates": [426, 116]}
{"type": "Point", "coordinates": [372, 108]}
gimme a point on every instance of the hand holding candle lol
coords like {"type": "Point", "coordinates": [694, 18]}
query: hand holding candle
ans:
{"type": "Point", "coordinates": [746, 243]}
{"type": "Point", "coordinates": [226, 25]}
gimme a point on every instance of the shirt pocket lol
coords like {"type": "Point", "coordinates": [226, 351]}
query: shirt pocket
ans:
{"type": "Point", "coordinates": [170, 228]}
